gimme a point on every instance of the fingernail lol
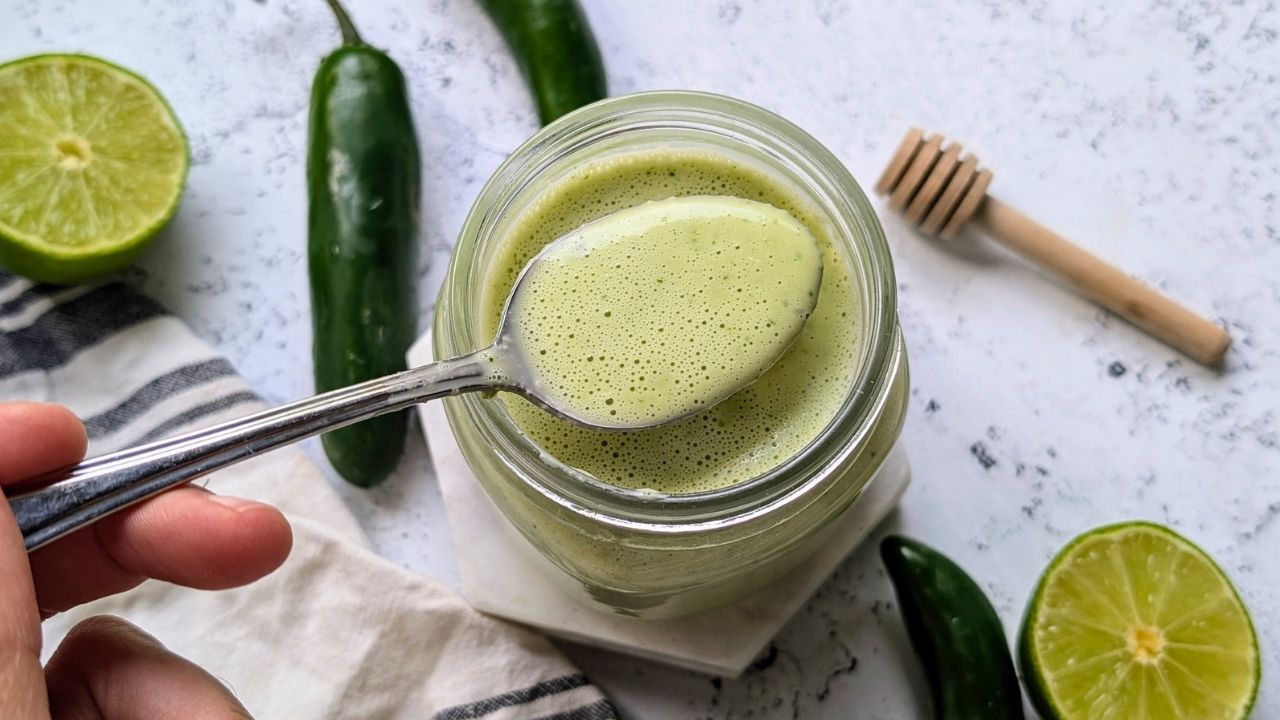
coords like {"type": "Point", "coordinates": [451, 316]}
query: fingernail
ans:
{"type": "Point", "coordinates": [235, 503]}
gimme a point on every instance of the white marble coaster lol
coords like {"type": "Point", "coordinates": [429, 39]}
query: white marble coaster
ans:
{"type": "Point", "coordinates": [503, 576]}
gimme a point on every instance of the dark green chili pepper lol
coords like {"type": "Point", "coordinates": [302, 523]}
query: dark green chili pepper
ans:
{"type": "Point", "coordinates": [956, 632]}
{"type": "Point", "coordinates": [363, 180]}
{"type": "Point", "coordinates": [554, 47]}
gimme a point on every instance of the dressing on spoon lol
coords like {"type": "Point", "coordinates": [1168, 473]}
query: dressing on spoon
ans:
{"type": "Point", "coordinates": [662, 310]}
{"type": "Point", "coordinates": [638, 319]}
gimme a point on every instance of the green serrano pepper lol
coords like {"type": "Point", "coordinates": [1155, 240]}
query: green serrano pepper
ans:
{"type": "Point", "coordinates": [956, 632]}
{"type": "Point", "coordinates": [363, 180]}
{"type": "Point", "coordinates": [556, 51]}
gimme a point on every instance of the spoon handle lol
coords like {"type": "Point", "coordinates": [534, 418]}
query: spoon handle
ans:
{"type": "Point", "coordinates": [70, 499]}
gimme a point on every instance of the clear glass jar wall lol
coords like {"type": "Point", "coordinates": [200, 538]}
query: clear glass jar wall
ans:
{"type": "Point", "coordinates": [654, 554]}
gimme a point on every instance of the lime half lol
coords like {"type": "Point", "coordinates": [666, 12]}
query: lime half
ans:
{"type": "Point", "coordinates": [1133, 621]}
{"type": "Point", "coordinates": [92, 165]}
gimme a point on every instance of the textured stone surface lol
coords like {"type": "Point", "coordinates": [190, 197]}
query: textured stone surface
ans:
{"type": "Point", "coordinates": [1144, 130]}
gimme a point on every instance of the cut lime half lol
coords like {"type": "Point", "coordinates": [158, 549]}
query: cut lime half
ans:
{"type": "Point", "coordinates": [1134, 622]}
{"type": "Point", "coordinates": [92, 165]}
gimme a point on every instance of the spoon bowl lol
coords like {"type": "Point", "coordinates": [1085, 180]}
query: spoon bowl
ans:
{"type": "Point", "coordinates": [657, 312]}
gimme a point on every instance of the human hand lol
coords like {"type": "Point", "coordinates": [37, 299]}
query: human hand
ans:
{"type": "Point", "coordinates": [107, 668]}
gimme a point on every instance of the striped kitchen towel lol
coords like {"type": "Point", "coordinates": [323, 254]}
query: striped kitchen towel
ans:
{"type": "Point", "coordinates": [337, 632]}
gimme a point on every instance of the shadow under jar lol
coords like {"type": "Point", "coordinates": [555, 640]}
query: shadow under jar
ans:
{"type": "Point", "coordinates": [668, 521]}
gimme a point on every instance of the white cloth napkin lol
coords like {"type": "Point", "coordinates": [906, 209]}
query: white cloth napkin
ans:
{"type": "Point", "coordinates": [337, 631]}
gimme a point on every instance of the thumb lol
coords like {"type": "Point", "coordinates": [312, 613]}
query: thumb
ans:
{"type": "Point", "coordinates": [21, 682]}
{"type": "Point", "coordinates": [109, 669]}
{"type": "Point", "coordinates": [34, 438]}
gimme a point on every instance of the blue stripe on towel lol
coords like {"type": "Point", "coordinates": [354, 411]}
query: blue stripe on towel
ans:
{"type": "Point", "coordinates": [523, 696]}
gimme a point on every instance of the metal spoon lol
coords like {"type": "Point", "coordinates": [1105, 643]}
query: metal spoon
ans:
{"type": "Point", "coordinates": [72, 499]}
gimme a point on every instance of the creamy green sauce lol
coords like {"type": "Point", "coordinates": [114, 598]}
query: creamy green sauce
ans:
{"type": "Point", "coordinates": [659, 311]}
{"type": "Point", "coordinates": [756, 429]}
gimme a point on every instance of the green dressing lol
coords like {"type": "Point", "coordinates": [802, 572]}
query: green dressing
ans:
{"type": "Point", "coordinates": [661, 310]}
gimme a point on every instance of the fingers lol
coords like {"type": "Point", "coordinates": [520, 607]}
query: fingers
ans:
{"type": "Point", "coordinates": [21, 680]}
{"type": "Point", "coordinates": [36, 439]}
{"type": "Point", "coordinates": [107, 668]}
{"type": "Point", "coordinates": [186, 536]}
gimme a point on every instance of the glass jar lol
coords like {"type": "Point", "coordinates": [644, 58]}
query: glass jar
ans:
{"type": "Point", "coordinates": [647, 553]}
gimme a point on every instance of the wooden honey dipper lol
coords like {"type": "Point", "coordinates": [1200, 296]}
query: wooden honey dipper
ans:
{"type": "Point", "coordinates": [939, 192]}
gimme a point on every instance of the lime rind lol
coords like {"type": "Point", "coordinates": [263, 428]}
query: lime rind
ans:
{"type": "Point", "coordinates": [129, 229]}
{"type": "Point", "coordinates": [1035, 674]}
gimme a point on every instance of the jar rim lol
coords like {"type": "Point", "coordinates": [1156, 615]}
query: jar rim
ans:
{"type": "Point", "coordinates": [842, 198]}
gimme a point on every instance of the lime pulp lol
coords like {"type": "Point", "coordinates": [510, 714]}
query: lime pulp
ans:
{"type": "Point", "coordinates": [1134, 622]}
{"type": "Point", "coordinates": [92, 166]}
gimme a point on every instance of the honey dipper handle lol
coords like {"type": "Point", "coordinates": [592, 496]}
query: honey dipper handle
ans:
{"type": "Point", "coordinates": [1143, 306]}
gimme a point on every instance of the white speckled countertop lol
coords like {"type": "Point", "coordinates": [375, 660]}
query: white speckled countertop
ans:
{"type": "Point", "coordinates": [1147, 131]}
